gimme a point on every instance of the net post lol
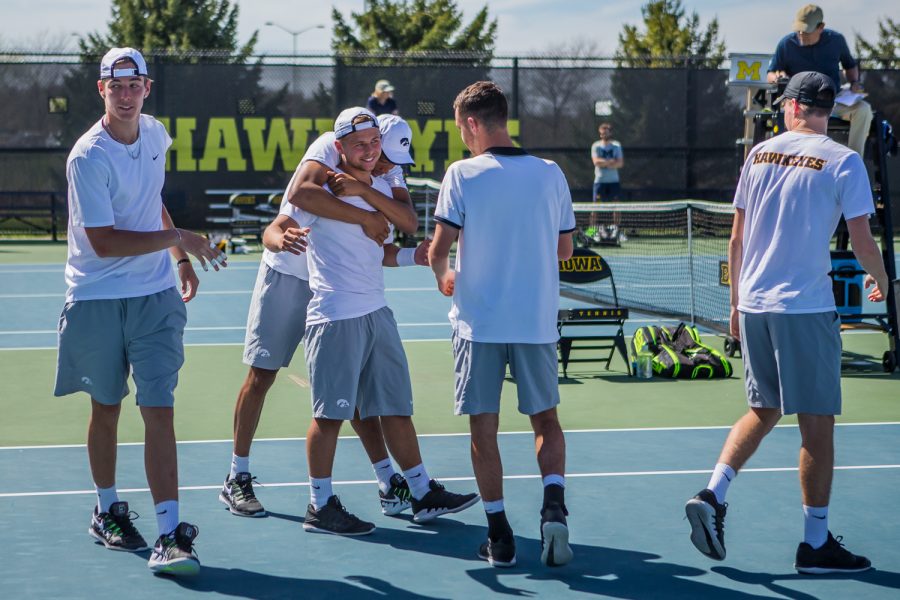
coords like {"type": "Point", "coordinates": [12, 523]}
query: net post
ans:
{"type": "Point", "coordinates": [690, 243]}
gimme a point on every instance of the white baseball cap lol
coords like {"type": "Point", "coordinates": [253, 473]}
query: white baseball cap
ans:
{"type": "Point", "coordinates": [117, 54]}
{"type": "Point", "coordinates": [383, 85]}
{"type": "Point", "coordinates": [344, 125]}
{"type": "Point", "coordinates": [396, 137]}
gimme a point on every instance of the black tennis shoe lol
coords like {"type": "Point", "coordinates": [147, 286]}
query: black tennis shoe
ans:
{"type": "Point", "coordinates": [500, 552]}
{"type": "Point", "coordinates": [115, 530]}
{"type": "Point", "coordinates": [555, 549]}
{"type": "Point", "coordinates": [174, 553]}
{"type": "Point", "coordinates": [707, 519]}
{"type": "Point", "coordinates": [335, 519]}
{"type": "Point", "coordinates": [238, 495]}
{"type": "Point", "coordinates": [831, 557]}
{"type": "Point", "coordinates": [438, 501]}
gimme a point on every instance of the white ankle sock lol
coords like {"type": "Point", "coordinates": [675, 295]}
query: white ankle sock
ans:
{"type": "Point", "coordinates": [418, 481]}
{"type": "Point", "coordinates": [239, 464]}
{"type": "Point", "coordinates": [167, 516]}
{"type": "Point", "coordinates": [384, 470]}
{"type": "Point", "coordinates": [494, 506]}
{"type": "Point", "coordinates": [105, 498]}
{"type": "Point", "coordinates": [815, 525]}
{"type": "Point", "coordinates": [559, 480]}
{"type": "Point", "coordinates": [721, 478]}
{"type": "Point", "coordinates": [319, 491]}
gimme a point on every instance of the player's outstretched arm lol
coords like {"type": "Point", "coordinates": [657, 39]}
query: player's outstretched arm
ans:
{"type": "Point", "coordinates": [284, 234]}
{"type": "Point", "coordinates": [306, 192]}
{"type": "Point", "coordinates": [869, 257]}
{"type": "Point", "coordinates": [110, 242]}
{"type": "Point", "coordinates": [400, 213]}
{"type": "Point", "coordinates": [395, 256]}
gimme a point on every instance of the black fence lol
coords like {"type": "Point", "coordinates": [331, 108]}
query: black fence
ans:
{"type": "Point", "coordinates": [246, 125]}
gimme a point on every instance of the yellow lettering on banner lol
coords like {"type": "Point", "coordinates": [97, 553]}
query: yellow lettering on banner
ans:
{"type": "Point", "coordinates": [263, 150]}
{"type": "Point", "coordinates": [513, 127]}
{"type": "Point", "coordinates": [182, 143]}
{"type": "Point", "coordinates": [222, 143]}
{"type": "Point", "coordinates": [750, 71]}
{"type": "Point", "coordinates": [581, 264]}
{"type": "Point", "coordinates": [455, 146]}
{"type": "Point", "coordinates": [423, 140]}
{"type": "Point", "coordinates": [323, 125]}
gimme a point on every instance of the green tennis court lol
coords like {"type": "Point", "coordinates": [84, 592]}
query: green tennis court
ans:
{"type": "Point", "coordinates": [636, 451]}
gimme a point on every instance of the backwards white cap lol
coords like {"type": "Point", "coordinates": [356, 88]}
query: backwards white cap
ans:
{"type": "Point", "coordinates": [117, 54]}
{"type": "Point", "coordinates": [344, 125]}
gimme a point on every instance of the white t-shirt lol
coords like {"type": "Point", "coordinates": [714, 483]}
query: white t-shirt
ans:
{"type": "Point", "coordinates": [510, 208]}
{"type": "Point", "coordinates": [322, 151]}
{"type": "Point", "coordinates": [114, 184]}
{"type": "Point", "coordinates": [794, 189]}
{"type": "Point", "coordinates": [345, 272]}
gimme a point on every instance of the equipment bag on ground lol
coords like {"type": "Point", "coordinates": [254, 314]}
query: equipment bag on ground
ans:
{"type": "Point", "coordinates": [679, 353]}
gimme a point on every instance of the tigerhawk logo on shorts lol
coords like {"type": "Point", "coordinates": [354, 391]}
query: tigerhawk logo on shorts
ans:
{"type": "Point", "coordinates": [87, 381]}
{"type": "Point", "coordinates": [264, 353]}
{"type": "Point", "coordinates": [343, 403]}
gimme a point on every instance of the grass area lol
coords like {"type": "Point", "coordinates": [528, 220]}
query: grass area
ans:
{"type": "Point", "coordinates": [591, 398]}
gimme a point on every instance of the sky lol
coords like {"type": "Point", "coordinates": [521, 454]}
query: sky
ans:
{"type": "Point", "coordinates": [524, 26]}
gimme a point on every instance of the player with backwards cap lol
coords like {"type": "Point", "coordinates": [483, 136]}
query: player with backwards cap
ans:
{"type": "Point", "coordinates": [123, 312]}
{"type": "Point", "coordinates": [354, 355]}
{"type": "Point", "coordinates": [277, 317]}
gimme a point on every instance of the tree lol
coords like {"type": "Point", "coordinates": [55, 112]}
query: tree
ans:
{"type": "Point", "coordinates": [172, 26]}
{"type": "Point", "coordinates": [882, 53]}
{"type": "Point", "coordinates": [411, 26]}
{"type": "Point", "coordinates": [671, 107]}
{"type": "Point", "coordinates": [668, 34]}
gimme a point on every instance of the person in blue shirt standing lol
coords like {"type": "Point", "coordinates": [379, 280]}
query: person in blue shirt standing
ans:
{"type": "Point", "coordinates": [382, 102]}
{"type": "Point", "coordinates": [811, 47]}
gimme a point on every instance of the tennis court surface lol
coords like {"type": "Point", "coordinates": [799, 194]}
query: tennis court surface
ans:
{"type": "Point", "coordinates": [637, 450]}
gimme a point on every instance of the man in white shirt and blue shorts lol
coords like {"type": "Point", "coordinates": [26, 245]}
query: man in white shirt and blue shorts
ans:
{"type": "Point", "coordinates": [123, 313]}
{"type": "Point", "coordinates": [505, 292]}
{"type": "Point", "coordinates": [793, 190]}
{"type": "Point", "coordinates": [277, 318]}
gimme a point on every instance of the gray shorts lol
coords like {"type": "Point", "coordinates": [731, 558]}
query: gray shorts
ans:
{"type": "Point", "coordinates": [358, 363]}
{"type": "Point", "coordinates": [792, 362]}
{"type": "Point", "coordinates": [277, 319]}
{"type": "Point", "coordinates": [100, 341]}
{"type": "Point", "coordinates": [480, 368]}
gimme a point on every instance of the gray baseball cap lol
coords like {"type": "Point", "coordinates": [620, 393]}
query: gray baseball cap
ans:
{"type": "Point", "coordinates": [808, 18]}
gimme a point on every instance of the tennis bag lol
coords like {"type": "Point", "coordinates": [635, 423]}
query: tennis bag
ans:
{"type": "Point", "coordinates": [679, 353]}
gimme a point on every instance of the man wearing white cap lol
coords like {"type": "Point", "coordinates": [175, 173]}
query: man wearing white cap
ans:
{"type": "Point", "coordinates": [354, 355]}
{"type": "Point", "coordinates": [382, 102]}
{"type": "Point", "coordinates": [811, 47]}
{"type": "Point", "coordinates": [123, 311]}
{"type": "Point", "coordinates": [277, 318]}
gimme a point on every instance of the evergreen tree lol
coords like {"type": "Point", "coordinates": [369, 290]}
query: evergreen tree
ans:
{"type": "Point", "coordinates": [668, 34]}
{"type": "Point", "coordinates": [413, 26]}
{"type": "Point", "coordinates": [174, 27]}
{"type": "Point", "coordinates": [884, 52]}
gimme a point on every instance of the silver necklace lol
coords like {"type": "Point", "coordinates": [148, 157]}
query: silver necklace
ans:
{"type": "Point", "coordinates": [133, 155]}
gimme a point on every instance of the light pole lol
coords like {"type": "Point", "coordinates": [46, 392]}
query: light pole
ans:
{"type": "Point", "coordinates": [294, 33]}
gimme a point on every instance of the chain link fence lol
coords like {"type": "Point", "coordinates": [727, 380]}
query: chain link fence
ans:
{"type": "Point", "coordinates": [240, 126]}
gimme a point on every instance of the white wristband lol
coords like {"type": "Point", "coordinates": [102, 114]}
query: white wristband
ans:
{"type": "Point", "coordinates": [406, 257]}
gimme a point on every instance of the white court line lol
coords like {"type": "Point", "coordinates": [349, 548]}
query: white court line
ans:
{"type": "Point", "coordinates": [450, 435]}
{"type": "Point", "coordinates": [62, 293]}
{"type": "Point", "coordinates": [218, 486]}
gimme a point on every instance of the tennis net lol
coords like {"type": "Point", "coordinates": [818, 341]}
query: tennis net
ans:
{"type": "Point", "coordinates": [667, 258]}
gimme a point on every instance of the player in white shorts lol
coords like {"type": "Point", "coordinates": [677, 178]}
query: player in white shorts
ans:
{"type": "Point", "coordinates": [354, 355]}
{"type": "Point", "coordinates": [277, 319]}
{"type": "Point", "coordinates": [123, 313]}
